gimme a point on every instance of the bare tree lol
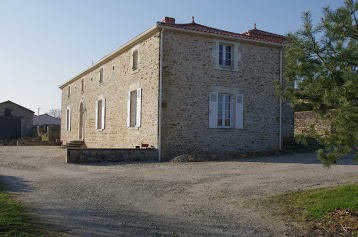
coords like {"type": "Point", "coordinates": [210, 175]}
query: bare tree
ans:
{"type": "Point", "coordinates": [55, 113]}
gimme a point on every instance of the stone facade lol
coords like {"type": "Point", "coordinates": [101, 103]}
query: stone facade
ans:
{"type": "Point", "coordinates": [189, 73]}
{"type": "Point", "coordinates": [118, 80]}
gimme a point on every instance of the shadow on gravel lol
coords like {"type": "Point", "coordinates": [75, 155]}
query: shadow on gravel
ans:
{"type": "Point", "coordinates": [15, 184]}
{"type": "Point", "coordinates": [101, 223]}
{"type": "Point", "coordinates": [307, 158]}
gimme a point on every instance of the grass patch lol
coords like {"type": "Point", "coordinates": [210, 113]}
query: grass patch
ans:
{"type": "Point", "coordinates": [15, 220]}
{"type": "Point", "coordinates": [323, 212]}
{"type": "Point", "coordinates": [318, 204]}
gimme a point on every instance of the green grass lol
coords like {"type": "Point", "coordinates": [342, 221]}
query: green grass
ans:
{"type": "Point", "coordinates": [317, 204]}
{"type": "Point", "coordinates": [14, 218]}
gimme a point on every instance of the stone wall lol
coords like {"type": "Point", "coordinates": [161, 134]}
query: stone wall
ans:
{"type": "Point", "coordinates": [305, 119]}
{"type": "Point", "coordinates": [118, 80]}
{"type": "Point", "coordinates": [189, 75]}
{"type": "Point", "coordinates": [47, 132]}
{"type": "Point", "coordinates": [86, 155]}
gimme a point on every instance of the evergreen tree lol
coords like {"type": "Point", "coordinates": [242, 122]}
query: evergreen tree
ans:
{"type": "Point", "coordinates": [322, 64]}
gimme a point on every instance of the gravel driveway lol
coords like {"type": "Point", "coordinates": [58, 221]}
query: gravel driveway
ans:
{"type": "Point", "coordinates": [161, 199]}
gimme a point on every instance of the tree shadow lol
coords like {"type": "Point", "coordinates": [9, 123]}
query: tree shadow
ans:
{"type": "Point", "coordinates": [298, 158]}
{"type": "Point", "coordinates": [102, 223]}
{"type": "Point", "coordinates": [15, 184]}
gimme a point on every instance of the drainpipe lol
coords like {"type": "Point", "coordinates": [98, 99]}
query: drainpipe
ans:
{"type": "Point", "coordinates": [280, 130]}
{"type": "Point", "coordinates": [160, 96]}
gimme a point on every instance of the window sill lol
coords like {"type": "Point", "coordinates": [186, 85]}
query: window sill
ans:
{"type": "Point", "coordinates": [100, 129]}
{"type": "Point", "coordinates": [231, 69]}
{"type": "Point", "coordinates": [226, 129]}
{"type": "Point", "coordinates": [133, 128]}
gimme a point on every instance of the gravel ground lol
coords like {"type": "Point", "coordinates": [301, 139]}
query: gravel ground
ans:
{"type": "Point", "coordinates": [161, 199]}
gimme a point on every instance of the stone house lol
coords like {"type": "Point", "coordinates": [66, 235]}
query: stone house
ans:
{"type": "Point", "coordinates": [15, 121]}
{"type": "Point", "coordinates": [182, 89]}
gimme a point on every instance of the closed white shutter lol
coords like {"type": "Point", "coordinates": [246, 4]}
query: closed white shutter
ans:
{"type": "Point", "coordinates": [213, 110]}
{"type": "Point", "coordinates": [103, 112]}
{"type": "Point", "coordinates": [239, 106]}
{"type": "Point", "coordinates": [68, 119]}
{"type": "Point", "coordinates": [96, 114]}
{"type": "Point", "coordinates": [214, 54]}
{"type": "Point", "coordinates": [139, 108]}
{"type": "Point", "coordinates": [129, 109]}
{"type": "Point", "coordinates": [69, 124]}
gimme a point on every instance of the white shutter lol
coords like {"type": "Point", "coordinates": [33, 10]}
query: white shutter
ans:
{"type": "Point", "coordinates": [214, 54]}
{"type": "Point", "coordinates": [213, 110]}
{"type": "Point", "coordinates": [129, 110]}
{"type": "Point", "coordinates": [69, 124]}
{"type": "Point", "coordinates": [139, 108]}
{"type": "Point", "coordinates": [239, 118]}
{"type": "Point", "coordinates": [103, 112]}
{"type": "Point", "coordinates": [96, 114]}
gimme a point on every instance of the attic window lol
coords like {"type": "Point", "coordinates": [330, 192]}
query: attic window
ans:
{"type": "Point", "coordinates": [135, 60]}
{"type": "Point", "coordinates": [101, 75]}
{"type": "Point", "coordinates": [8, 112]}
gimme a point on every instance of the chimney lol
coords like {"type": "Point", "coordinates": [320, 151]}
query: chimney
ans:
{"type": "Point", "coordinates": [168, 20]}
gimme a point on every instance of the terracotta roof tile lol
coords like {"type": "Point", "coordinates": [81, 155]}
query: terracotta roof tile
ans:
{"type": "Point", "coordinates": [253, 34]}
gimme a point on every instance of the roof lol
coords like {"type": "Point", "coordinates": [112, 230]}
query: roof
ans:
{"type": "Point", "coordinates": [253, 34]}
{"type": "Point", "coordinates": [46, 119]}
{"type": "Point", "coordinates": [8, 101]}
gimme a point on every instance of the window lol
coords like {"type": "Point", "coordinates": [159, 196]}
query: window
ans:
{"type": "Point", "coordinates": [225, 110]}
{"type": "Point", "coordinates": [225, 55]}
{"type": "Point", "coordinates": [134, 108]}
{"type": "Point", "coordinates": [100, 112]}
{"type": "Point", "coordinates": [101, 75]}
{"type": "Point", "coordinates": [82, 85]}
{"type": "Point", "coordinates": [8, 112]}
{"type": "Point", "coordinates": [68, 91]}
{"type": "Point", "coordinates": [135, 60]}
{"type": "Point", "coordinates": [68, 119]}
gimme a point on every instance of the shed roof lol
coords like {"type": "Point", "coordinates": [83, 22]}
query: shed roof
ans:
{"type": "Point", "coordinates": [8, 101]}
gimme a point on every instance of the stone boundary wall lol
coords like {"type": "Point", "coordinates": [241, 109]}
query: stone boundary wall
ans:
{"type": "Point", "coordinates": [94, 155]}
{"type": "Point", "coordinates": [21, 142]}
{"type": "Point", "coordinates": [305, 119]}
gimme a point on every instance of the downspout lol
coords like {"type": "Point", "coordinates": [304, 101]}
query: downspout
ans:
{"type": "Point", "coordinates": [280, 129]}
{"type": "Point", "coordinates": [160, 96]}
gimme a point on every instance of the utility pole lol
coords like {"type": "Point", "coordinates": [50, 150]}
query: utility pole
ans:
{"type": "Point", "coordinates": [38, 111]}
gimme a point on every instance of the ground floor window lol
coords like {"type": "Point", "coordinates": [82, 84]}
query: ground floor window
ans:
{"type": "Point", "coordinates": [68, 119]}
{"type": "Point", "coordinates": [134, 108]}
{"type": "Point", "coordinates": [100, 112]}
{"type": "Point", "coordinates": [225, 110]}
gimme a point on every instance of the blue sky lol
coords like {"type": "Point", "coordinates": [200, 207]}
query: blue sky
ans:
{"type": "Point", "coordinates": [43, 43]}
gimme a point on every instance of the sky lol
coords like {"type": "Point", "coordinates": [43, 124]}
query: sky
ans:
{"type": "Point", "coordinates": [44, 43]}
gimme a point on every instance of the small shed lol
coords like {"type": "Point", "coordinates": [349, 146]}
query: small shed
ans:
{"type": "Point", "coordinates": [15, 121]}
